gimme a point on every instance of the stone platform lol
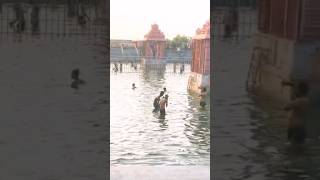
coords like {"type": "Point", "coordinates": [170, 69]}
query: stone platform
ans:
{"type": "Point", "coordinates": [142, 172]}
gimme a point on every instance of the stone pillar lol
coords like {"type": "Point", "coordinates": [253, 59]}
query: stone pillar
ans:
{"type": "Point", "coordinates": [101, 10]}
{"type": "Point", "coordinates": [200, 65]}
{"type": "Point", "coordinates": [0, 6]}
{"type": "Point", "coordinates": [154, 45]}
{"type": "Point", "coordinates": [71, 8]}
{"type": "Point", "coordinates": [35, 13]}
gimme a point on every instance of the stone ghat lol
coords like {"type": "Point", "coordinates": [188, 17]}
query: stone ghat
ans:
{"type": "Point", "coordinates": [143, 172]}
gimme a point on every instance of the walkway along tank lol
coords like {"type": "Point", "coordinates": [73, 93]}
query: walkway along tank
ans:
{"type": "Point", "coordinates": [154, 47]}
{"type": "Point", "coordinates": [200, 66]}
{"type": "Point", "coordinates": [287, 48]}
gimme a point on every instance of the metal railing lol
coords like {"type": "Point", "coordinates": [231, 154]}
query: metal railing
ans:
{"type": "Point", "coordinates": [55, 18]}
{"type": "Point", "coordinates": [174, 67]}
{"type": "Point", "coordinates": [138, 59]}
{"type": "Point", "coordinates": [233, 20]}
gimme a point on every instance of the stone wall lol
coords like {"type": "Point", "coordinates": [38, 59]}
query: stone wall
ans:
{"type": "Point", "coordinates": [274, 66]}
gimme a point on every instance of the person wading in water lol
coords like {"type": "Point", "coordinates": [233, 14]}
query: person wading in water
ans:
{"type": "Point", "coordinates": [297, 108]}
{"type": "Point", "coordinates": [76, 80]}
{"type": "Point", "coordinates": [163, 104]}
{"type": "Point", "coordinates": [156, 102]}
{"type": "Point", "coordinates": [165, 90]}
{"type": "Point", "coordinates": [134, 86]}
{"type": "Point", "coordinates": [203, 95]}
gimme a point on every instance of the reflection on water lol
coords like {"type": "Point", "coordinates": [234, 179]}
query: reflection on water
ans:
{"type": "Point", "coordinates": [139, 136]}
{"type": "Point", "coordinates": [249, 132]}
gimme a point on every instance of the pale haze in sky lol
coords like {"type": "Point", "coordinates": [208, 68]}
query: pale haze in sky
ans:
{"type": "Point", "coordinates": [132, 19]}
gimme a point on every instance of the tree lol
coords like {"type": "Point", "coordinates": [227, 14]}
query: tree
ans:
{"type": "Point", "coordinates": [178, 42]}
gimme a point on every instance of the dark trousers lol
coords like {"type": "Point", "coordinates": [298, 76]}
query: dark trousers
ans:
{"type": "Point", "coordinates": [156, 108]}
{"type": "Point", "coordinates": [162, 112]}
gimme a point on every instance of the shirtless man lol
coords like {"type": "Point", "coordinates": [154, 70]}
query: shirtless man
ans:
{"type": "Point", "coordinates": [163, 104]}
{"type": "Point", "coordinates": [156, 102]}
{"type": "Point", "coordinates": [297, 109]}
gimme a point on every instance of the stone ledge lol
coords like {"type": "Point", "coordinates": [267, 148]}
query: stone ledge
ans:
{"type": "Point", "coordinates": [143, 172]}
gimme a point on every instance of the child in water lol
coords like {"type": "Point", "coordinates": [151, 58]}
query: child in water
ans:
{"type": "Point", "coordinates": [298, 110]}
{"type": "Point", "coordinates": [133, 86]}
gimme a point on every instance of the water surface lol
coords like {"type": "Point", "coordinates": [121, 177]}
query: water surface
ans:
{"type": "Point", "coordinates": [49, 130]}
{"type": "Point", "coordinates": [139, 136]}
{"type": "Point", "coordinates": [249, 139]}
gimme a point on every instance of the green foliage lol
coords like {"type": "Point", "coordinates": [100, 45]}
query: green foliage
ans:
{"type": "Point", "coordinates": [178, 42]}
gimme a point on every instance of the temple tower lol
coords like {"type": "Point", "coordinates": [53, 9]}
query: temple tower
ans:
{"type": "Point", "coordinates": [200, 66]}
{"type": "Point", "coordinates": [154, 44]}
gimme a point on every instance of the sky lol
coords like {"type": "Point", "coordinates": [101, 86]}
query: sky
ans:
{"type": "Point", "coordinates": [132, 19]}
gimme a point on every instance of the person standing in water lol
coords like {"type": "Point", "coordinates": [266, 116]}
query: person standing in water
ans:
{"type": "Point", "coordinates": [163, 104]}
{"type": "Point", "coordinates": [203, 95]}
{"type": "Point", "coordinates": [76, 80]}
{"type": "Point", "coordinates": [121, 67]}
{"type": "Point", "coordinates": [156, 102]}
{"type": "Point", "coordinates": [182, 69]}
{"type": "Point", "coordinates": [297, 108]}
{"type": "Point", "coordinates": [164, 90]}
{"type": "Point", "coordinates": [115, 69]}
{"type": "Point", "coordinates": [134, 86]}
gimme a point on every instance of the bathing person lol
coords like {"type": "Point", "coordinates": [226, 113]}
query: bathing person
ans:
{"type": "Point", "coordinates": [133, 86]}
{"type": "Point", "coordinates": [18, 24]}
{"type": "Point", "coordinates": [163, 104]}
{"type": "Point", "coordinates": [76, 80]}
{"type": "Point", "coordinates": [82, 15]}
{"type": "Point", "coordinates": [203, 95]}
{"type": "Point", "coordinates": [182, 69]}
{"type": "Point", "coordinates": [298, 107]}
{"type": "Point", "coordinates": [164, 90]}
{"type": "Point", "coordinates": [115, 67]}
{"type": "Point", "coordinates": [156, 102]}
{"type": "Point", "coordinates": [82, 19]}
{"type": "Point", "coordinates": [121, 67]}
{"type": "Point", "coordinates": [230, 21]}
